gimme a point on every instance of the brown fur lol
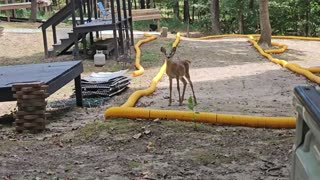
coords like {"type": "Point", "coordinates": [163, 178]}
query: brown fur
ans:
{"type": "Point", "coordinates": [178, 70]}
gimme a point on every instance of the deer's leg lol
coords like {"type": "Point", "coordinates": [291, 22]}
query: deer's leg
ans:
{"type": "Point", "coordinates": [189, 80]}
{"type": "Point", "coordinates": [170, 87]}
{"type": "Point", "coordinates": [184, 88]}
{"type": "Point", "coordinates": [178, 87]}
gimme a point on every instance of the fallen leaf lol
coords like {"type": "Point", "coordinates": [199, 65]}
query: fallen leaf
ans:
{"type": "Point", "coordinates": [137, 136]}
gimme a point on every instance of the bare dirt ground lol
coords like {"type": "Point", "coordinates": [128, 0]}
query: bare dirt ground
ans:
{"type": "Point", "coordinates": [229, 77]}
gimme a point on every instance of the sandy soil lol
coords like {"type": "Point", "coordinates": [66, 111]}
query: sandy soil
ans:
{"type": "Point", "coordinates": [229, 77]}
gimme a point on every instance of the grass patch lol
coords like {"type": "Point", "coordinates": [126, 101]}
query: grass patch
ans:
{"type": "Point", "coordinates": [151, 56]}
{"type": "Point", "coordinates": [204, 157]}
{"type": "Point", "coordinates": [133, 164]}
{"type": "Point", "coordinates": [115, 126]}
{"type": "Point", "coordinates": [179, 126]}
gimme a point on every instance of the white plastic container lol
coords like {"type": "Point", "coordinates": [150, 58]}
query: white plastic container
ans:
{"type": "Point", "coordinates": [99, 59]}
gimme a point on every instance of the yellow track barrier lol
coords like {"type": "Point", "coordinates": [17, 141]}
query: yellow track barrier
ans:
{"type": "Point", "coordinates": [212, 118]}
{"type": "Point", "coordinates": [307, 72]}
{"type": "Point", "coordinates": [138, 54]}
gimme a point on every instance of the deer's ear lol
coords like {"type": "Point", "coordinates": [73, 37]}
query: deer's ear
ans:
{"type": "Point", "coordinates": [162, 49]}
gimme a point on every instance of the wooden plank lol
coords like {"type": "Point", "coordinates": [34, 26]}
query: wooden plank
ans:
{"type": "Point", "coordinates": [147, 17]}
{"type": "Point", "coordinates": [19, 6]}
{"type": "Point", "coordinates": [141, 12]}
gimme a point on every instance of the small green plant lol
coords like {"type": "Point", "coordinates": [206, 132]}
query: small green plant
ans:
{"type": "Point", "coordinates": [133, 164]}
{"type": "Point", "coordinates": [192, 106]}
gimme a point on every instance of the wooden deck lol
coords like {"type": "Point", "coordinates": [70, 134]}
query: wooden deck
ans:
{"type": "Point", "coordinates": [12, 6]}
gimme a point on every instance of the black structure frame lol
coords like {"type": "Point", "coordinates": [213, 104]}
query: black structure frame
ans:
{"type": "Point", "coordinates": [46, 72]}
{"type": "Point", "coordinates": [120, 23]}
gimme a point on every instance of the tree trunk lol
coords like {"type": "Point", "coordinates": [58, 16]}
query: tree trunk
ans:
{"type": "Point", "coordinates": [186, 14]}
{"type": "Point", "coordinates": [241, 22]}
{"type": "Point", "coordinates": [142, 4]}
{"type": "Point", "coordinates": [215, 17]}
{"type": "Point", "coordinates": [265, 38]}
{"type": "Point", "coordinates": [33, 17]}
{"type": "Point", "coordinates": [176, 9]}
{"type": "Point", "coordinates": [148, 4]}
{"type": "Point", "coordinates": [240, 17]}
{"type": "Point", "coordinates": [135, 4]}
{"type": "Point", "coordinates": [306, 28]}
{"type": "Point", "coordinates": [193, 9]}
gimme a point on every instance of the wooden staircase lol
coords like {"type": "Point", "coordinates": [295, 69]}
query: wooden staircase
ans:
{"type": "Point", "coordinates": [120, 23]}
{"type": "Point", "coordinates": [63, 46]}
{"type": "Point", "coordinates": [65, 43]}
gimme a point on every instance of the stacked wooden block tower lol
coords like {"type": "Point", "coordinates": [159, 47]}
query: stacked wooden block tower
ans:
{"type": "Point", "coordinates": [31, 114]}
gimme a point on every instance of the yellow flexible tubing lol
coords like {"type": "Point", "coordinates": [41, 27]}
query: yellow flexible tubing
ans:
{"type": "Point", "coordinates": [138, 54]}
{"type": "Point", "coordinates": [128, 111]}
{"type": "Point", "coordinates": [307, 72]}
{"type": "Point", "coordinates": [212, 118]}
{"type": "Point", "coordinates": [257, 35]}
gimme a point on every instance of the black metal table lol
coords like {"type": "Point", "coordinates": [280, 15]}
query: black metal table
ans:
{"type": "Point", "coordinates": [55, 75]}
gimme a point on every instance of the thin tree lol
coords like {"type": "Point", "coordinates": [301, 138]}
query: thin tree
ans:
{"type": "Point", "coordinates": [265, 38]}
{"type": "Point", "coordinates": [240, 16]}
{"type": "Point", "coordinates": [307, 19]}
{"type": "Point", "coordinates": [193, 9]}
{"type": "Point", "coordinates": [142, 4]}
{"type": "Point", "coordinates": [148, 4]}
{"type": "Point", "coordinates": [176, 9]}
{"type": "Point", "coordinates": [135, 4]}
{"type": "Point", "coordinates": [33, 17]}
{"type": "Point", "coordinates": [186, 13]}
{"type": "Point", "coordinates": [215, 11]}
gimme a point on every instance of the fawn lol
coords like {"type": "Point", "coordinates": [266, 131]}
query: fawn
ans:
{"type": "Point", "coordinates": [178, 70]}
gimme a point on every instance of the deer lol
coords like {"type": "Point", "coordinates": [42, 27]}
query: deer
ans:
{"type": "Point", "coordinates": [179, 70]}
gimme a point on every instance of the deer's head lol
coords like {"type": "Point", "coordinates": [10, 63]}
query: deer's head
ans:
{"type": "Point", "coordinates": [169, 54]}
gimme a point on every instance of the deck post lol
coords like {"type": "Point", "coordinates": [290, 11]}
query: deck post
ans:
{"type": "Point", "coordinates": [130, 21]}
{"type": "Point", "coordinates": [120, 26]}
{"type": "Point", "coordinates": [73, 14]}
{"type": "Point", "coordinates": [80, 2]}
{"type": "Point", "coordinates": [95, 10]}
{"type": "Point", "coordinates": [45, 42]}
{"type": "Point", "coordinates": [77, 84]}
{"type": "Point", "coordinates": [54, 33]}
{"type": "Point", "coordinates": [126, 23]}
{"type": "Point", "coordinates": [76, 47]}
{"type": "Point", "coordinates": [89, 3]}
{"type": "Point", "coordinates": [115, 38]}
{"type": "Point", "coordinates": [83, 35]}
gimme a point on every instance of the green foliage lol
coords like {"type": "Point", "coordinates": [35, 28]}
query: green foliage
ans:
{"type": "Point", "coordinates": [133, 164]}
{"type": "Point", "coordinates": [291, 17]}
{"type": "Point", "coordinates": [192, 106]}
